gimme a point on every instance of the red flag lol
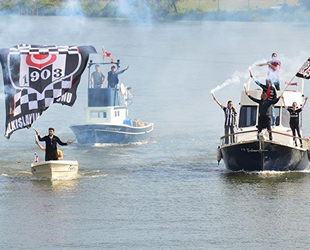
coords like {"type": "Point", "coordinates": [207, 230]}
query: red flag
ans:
{"type": "Point", "coordinates": [105, 53]}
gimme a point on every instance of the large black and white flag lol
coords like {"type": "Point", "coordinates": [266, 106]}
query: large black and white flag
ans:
{"type": "Point", "coordinates": [37, 76]}
{"type": "Point", "coordinates": [304, 71]}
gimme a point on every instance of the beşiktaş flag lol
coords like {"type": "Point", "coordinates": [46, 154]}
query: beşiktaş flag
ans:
{"type": "Point", "coordinates": [36, 76]}
{"type": "Point", "coordinates": [304, 71]}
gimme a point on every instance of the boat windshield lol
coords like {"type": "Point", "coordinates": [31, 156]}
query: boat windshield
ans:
{"type": "Point", "coordinates": [247, 116]}
{"type": "Point", "coordinates": [276, 116]}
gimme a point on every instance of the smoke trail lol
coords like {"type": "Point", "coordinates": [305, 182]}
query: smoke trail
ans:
{"type": "Point", "coordinates": [289, 68]}
{"type": "Point", "coordinates": [71, 8]}
{"type": "Point", "coordinates": [135, 10]}
{"type": "Point", "coordinates": [236, 78]}
{"type": "Point", "coordinates": [239, 77]}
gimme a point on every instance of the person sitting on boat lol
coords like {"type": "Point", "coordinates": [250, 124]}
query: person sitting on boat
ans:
{"type": "Point", "coordinates": [263, 112]}
{"type": "Point", "coordinates": [113, 76]}
{"type": "Point", "coordinates": [51, 142]}
{"type": "Point", "coordinates": [270, 92]}
{"type": "Point", "coordinates": [59, 152]}
{"type": "Point", "coordinates": [97, 78]}
{"type": "Point", "coordinates": [230, 119]}
{"type": "Point", "coordinates": [294, 118]}
{"type": "Point", "coordinates": [274, 66]}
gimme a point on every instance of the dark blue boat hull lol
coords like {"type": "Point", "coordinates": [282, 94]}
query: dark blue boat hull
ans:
{"type": "Point", "coordinates": [262, 156]}
{"type": "Point", "coordinates": [99, 133]}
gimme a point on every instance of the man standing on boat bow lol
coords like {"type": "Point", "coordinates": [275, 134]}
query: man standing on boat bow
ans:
{"type": "Point", "coordinates": [271, 93]}
{"type": "Point", "coordinates": [264, 111]}
{"type": "Point", "coordinates": [230, 119]}
{"type": "Point", "coordinates": [294, 119]}
{"type": "Point", "coordinates": [51, 141]}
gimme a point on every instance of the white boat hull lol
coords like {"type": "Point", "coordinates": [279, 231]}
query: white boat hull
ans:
{"type": "Point", "coordinates": [54, 170]}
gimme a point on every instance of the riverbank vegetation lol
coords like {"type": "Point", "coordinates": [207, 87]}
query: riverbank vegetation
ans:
{"type": "Point", "coordinates": [237, 10]}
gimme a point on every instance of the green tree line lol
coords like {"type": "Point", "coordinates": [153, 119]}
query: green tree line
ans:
{"type": "Point", "coordinates": [91, 8]}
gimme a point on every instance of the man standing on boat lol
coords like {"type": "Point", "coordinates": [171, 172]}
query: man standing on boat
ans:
{"type": "Point", "coordinates": [230, 119]}
{"type": "Point", "coordinates": [97, 78]}
{"type": "Point", "coordinates": [113, 76]}
{"type": "Point", "coordinates": [294, 118]}
{"type": "Point", "coordinates": [59, 152]}
{"type": "Point", "coordinates": [264, 112]}
{"type": "Point", "coordinates": [51, 141]}
{"type": "Point", "coordinates": [270, 92]}
{"type": "Point", "coordinates": [274, 66]}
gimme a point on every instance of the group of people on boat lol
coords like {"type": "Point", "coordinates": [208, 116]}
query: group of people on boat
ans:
{"type": "Point", "coordinates": [266, 118]}
{"type": "Point", "coordinates": [98, 79]}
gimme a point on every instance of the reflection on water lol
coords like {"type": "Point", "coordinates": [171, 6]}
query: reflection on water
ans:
{"type": "Point", "coordinates": [54, 185]}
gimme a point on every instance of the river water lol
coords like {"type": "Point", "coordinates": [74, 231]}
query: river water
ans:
{"type": "Point", "coordinates": [168, 193]}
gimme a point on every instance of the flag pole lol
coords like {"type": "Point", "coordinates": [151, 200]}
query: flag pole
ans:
{"type": "Point", "coordinates": [288, 84]}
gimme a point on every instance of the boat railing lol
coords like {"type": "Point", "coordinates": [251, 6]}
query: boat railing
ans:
{"type": "Point", "coordinates": [237, 137]}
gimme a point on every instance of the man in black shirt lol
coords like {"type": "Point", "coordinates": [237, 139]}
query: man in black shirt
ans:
{"type": "Point", "coordinates": [264, 112]}
{"type": "Point", "coordinates": [270, 92]}
{"type": "Point", "coordinates": [294, 119]}
{"type": "Point", "coordinates": [51, 144]}
{"type": "Point", "coordinates": [268, 88]}
{"type": "Point", "coordinates": [113, 76]}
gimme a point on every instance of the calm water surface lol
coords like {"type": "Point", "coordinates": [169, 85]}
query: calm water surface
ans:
{"type": "Point", "coordinates": [168, 193]}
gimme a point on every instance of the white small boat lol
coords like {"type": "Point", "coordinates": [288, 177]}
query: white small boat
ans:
{"type": "Point", "coordinates": [55, 170]}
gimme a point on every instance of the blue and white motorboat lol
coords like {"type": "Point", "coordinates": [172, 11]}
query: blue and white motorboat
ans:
{"type": "Point", "coordinates": [107, 119]}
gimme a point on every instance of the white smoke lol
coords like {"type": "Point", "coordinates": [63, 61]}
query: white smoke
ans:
{"type": "Point", "coordinates": [236, 78]}
{"type": "Point", "coordinates": [289, 68]}
{"type": "Point", "coordinates": [135, 10]}
{"type": "Point", "coordinates": [71, 8]}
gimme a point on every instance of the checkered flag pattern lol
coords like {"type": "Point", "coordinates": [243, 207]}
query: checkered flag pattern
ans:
{"type": "Point", "coordinates": [35, 50]}
{"type": "Point", "coordinates": [30, 99]}
{"type": "Point", "coordinates": [304, 71]}
{"type": "Point", "coordinates": [36, 76]}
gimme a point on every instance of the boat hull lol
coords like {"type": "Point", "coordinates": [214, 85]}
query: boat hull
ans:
{"type": "Point", "coordinates": [105, 133]}
{"type": "Point", "coordinates": [55, 169]}
{"type": "Point", "coordinates": [259, 155]}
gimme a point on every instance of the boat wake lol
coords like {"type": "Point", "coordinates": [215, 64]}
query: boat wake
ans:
{"type": "Point", "coordinates": [272, 173]}
{"type": "Point", "coordinates": [102, 145]}
{"type": "Point", "coordinates": [92, 174]}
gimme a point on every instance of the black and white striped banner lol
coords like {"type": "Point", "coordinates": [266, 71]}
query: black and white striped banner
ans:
{"type": "Point", "coordinates": [36, 76]}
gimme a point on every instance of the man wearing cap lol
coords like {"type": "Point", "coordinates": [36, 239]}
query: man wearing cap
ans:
{"type": "Point", "coordinates": [51, 141]}
{"type": "Point", "coordinates": [97, 78]}
{"type": "Point", "coordinates": [113, 76]}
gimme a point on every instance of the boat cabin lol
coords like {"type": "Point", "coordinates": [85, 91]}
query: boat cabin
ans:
{"type": "Point", "coordinates": [105, 105]}
{"type": "Point", "coordinates": [248, 114]}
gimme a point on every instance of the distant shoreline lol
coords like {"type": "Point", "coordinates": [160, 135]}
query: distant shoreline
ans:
{"type": "Point", "coordinates": [111, 10]}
